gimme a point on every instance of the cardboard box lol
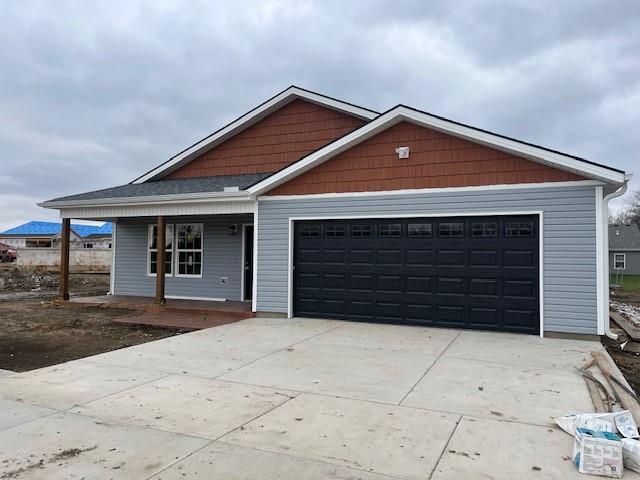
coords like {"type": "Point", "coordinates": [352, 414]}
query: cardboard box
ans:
{"type": "Point", "coordinates": [598, 453]}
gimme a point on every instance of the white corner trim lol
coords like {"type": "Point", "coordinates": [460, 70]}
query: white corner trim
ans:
{"type": "Point", "coordinates": [541, 272]}
{"type": "Point", "coordinates": [249, 119]}
{"type": "Point", "coordinates": [402, 113]}
{"type": "Point", "coordinates": [254, 294]}
{"type": "Point", "coordinates": [539, 213]}
{"type": "Point", "coordinates": [599, 199]}
{"type": "Point", "coordinates": [483, 188]}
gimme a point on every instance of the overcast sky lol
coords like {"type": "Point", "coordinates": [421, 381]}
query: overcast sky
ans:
{"type": "Point", "coordinates": [92, 94]}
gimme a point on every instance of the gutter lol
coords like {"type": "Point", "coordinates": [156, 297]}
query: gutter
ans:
{"type": "Point", "coordinates": [150, 199]}
{"type": "Point", "coordinates": [605, 226]}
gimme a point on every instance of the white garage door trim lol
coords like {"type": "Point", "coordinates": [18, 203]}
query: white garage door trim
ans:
{"type": "Point", "coordinates": [540, 214]}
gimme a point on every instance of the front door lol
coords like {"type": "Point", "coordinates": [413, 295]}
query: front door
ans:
{"type": "Point", "coordinates": [248, 262]}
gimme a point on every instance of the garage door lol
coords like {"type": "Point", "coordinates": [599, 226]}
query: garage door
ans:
{"type": "Point", "coordinates": [463, 272]}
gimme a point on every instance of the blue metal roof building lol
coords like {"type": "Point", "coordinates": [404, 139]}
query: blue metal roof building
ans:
{"type": "Point", "coordinates": [45, 229]}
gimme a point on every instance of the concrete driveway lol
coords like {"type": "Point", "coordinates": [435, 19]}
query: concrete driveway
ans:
{"type": "Point", "coordinates": [293, 399]}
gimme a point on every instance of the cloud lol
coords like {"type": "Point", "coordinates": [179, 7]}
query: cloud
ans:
{"type": "Point", "coordinates": [98, 93]}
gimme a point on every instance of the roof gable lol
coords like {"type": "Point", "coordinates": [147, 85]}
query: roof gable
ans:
{"type": "Point", "coordinates": [624, 237]}
{"type": "Point", "coordinates": [276, 141]}
{"type": "Point", "coordinates": [436, 160]}
{"type": "Point", "coordinates": [250, 118]}
{"type": "Point", "coordinates": [402, 113]}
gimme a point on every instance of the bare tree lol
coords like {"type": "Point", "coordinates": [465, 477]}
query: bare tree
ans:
{"type": "Point", "coordinates": [630, 213]}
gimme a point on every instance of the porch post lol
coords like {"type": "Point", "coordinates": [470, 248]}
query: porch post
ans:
{"type": "Point", "coordinates": [64, 259]}
{"type": "Point", "coordinates": [161, 244]}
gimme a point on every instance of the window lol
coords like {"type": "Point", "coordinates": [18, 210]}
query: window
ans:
{"type": "Point", "coordinates": [419, 230]}
{"type": "Point", "coordinates": [153, 250]}
{"type": "Point", "coordinates": [88, 245]}
{"type": "Point", "coordinates": [519, 229]}
{"type": "Point", "coordinates": [38, 243]}
{"type": "Point", "coordinates": [310, 231]}
{"type": "Point", "coordinates": [484, 229]}
{"type": "Point", "coordinates": [189, 249]}
{"type": "Point", "coordinates": [334, 231]}
{"type": "Point", "coordinates": [388, 230]}
{"type": "Point", "coordinates": [362, 231]}
{"type": "Point", "coordinates": [451, 230]}
{"type": "Point", "coordinates": [619, 261]}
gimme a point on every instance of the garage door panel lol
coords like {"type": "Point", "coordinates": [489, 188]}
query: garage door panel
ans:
{"type": "Point", "coordinates": [520, 288]}
{"type": "Point", "coordinates": [419, 284]}
{"type": "Point", "coordinates": [484, 317]}
{"type": "Point", "coordinates": [484, 258]}
{"type": "Point", "coordinates": [451, 258]}
{"type": "Point", "coordinates": [419, 257]}
{"type": "Point", "coordinates": [520, 258]}
{"type": "Point", "coordinates": [484, 287]}
{"type": "Point", "coordinates": [467, 272]}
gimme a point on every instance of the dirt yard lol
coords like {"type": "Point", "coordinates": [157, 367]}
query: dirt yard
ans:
{"type": "Point", "coordinates": [35, 334]}
{"type": "Point", "coordinates": [13, 280]}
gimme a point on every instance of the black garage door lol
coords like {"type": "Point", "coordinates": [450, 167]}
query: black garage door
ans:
{"type": "Point", "coordinates": [465, 272]}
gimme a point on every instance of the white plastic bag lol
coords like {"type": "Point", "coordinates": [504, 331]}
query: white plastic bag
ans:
{"type": "Point", "coordinates": [615, 422]}
{"type": "Point", "coordinates": [631, 454]}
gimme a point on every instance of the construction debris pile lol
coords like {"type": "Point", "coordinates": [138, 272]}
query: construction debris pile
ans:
{"type": "Point", "coordinates": [607, 441]}
{"type": "Point", "coordinates": [627, 318]}
{"type": "Point", "coordinates": [40, 280]}
{"type": "Point", "coordinates": [19, 280]}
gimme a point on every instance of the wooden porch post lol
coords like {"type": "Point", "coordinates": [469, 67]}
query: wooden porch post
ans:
{"type": "Point", "coordinates": [64, 259]}
{"type": "Point", "coordinates": [161, 244]}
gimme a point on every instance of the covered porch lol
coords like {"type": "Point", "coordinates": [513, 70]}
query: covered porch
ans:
{"type": "Point", "coordinates": [206, 253]}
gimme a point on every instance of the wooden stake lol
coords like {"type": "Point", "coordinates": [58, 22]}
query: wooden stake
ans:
{"type": "Point", "coordinates": [610, 371]}
{"type": "Point", "coordinates": [64, 258]}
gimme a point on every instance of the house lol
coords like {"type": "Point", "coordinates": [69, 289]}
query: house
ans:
{"type": "Point", "coordinates": [314, 207]}
{"type": "Point", "coordinates": [624, 249]}
{"type": "Point", "coordinates": [36, 234]}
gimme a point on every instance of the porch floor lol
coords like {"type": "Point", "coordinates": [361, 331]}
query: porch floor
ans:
{"type": "Point", "coordinates": [183, 314]}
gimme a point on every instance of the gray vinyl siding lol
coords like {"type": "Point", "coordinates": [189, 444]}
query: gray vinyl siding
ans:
{"type": "Point", "coordinates": [632, 262]}
{"type": "Point", "coordinates": [569, 240]}
{"type": "Point", "coordinates": [221, 258]}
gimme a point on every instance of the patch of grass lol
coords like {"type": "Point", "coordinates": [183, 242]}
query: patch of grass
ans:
{"type": "Point", "coordinates": [629, 283]}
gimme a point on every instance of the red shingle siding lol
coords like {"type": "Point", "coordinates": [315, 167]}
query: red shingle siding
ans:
{"type": "Point", "coordinates": [273, 143]}
{"type": "Point", "coordinates": [436, 160]}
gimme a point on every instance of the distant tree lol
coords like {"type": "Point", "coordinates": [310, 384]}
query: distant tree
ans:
{"type": "Point", "coordinates": [630, 213]}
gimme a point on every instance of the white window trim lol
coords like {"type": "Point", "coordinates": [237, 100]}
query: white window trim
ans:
{"type": "Point", "coordinates": [173, 242]}
{"type": "Point", "coordinates": [624, 261]}
{"type": "Point", "coordinates": [176, 250]}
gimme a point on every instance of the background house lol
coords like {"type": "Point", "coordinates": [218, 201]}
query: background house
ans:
{"type": "Point", "coordinates": [624, 249]}
{"type": "Point", "coordinates": [36, 234]}
{"type": "Point", "coordinates": [38, 245]}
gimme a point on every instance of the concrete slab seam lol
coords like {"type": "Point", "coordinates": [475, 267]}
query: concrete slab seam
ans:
{"type": "Point", "coordinates": [444, 449]}
{"type": "Point", "coordinates": [429, 369]}
{"type": "Point", "coordinates": [274, 352]}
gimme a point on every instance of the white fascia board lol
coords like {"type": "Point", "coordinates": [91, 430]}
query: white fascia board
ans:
{"type": "Point", "coordinates": [249, 119]}
{"type": "Point", "coordinates": [150, 200]}
{"type": "Point", "coordinates": [402, 113]}
{"type": "Point", "coordinates": [152, 210]}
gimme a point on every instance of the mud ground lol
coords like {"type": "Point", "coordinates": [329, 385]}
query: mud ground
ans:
{"type": "Point", "coordinates": [36, 333]}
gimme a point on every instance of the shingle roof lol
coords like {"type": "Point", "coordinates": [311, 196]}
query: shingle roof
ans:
{"type": "Point", "coordinates": [624, 237]}
{"type": "Point", "coordinates": [52, 228]}
{"type": "Point", "coordinates": [170, 187]}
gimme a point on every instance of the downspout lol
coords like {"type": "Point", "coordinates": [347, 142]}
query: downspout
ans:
{"type": "Point", "coordinates": [605, 254]}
